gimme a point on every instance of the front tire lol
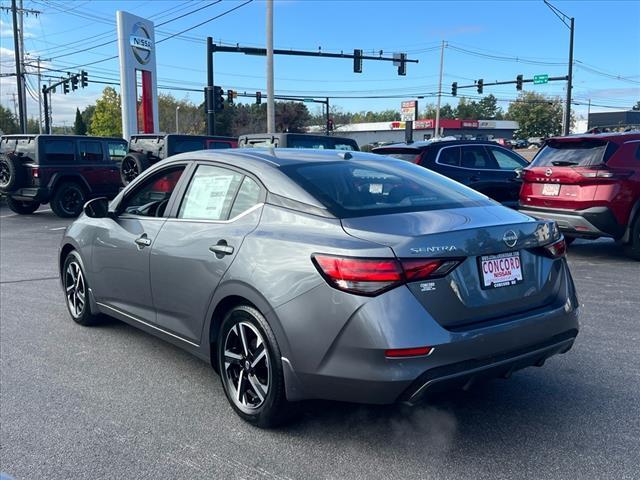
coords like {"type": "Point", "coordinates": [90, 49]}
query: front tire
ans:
{"type": "Point", "coordinates": [251, 369]}
{"type": "Point", "coordinates": [22, 208]}
{"type": "Point", "coordinates": [76, 291]}
{"type": "Point", "coordinates": [132, 165]}
{"type": "Point", "coordinates": [632, 248]}
{"type": "Point", "coordinates": [68, 200]}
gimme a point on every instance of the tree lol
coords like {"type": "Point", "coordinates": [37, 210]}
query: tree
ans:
{"type": "Point", "coordinates": [291, 117]}
{"type": "Point", "coordinates": [8, 122]}
{"type": "Point", "coordinates": [446, 111]}
{"type": "Point", "coordinates": [87, 115]}
{"type": "Point", "coordinates": [537, 115]}
{"type": "Point", "coordinates": [107, 118]}
{"type": "Point", "coordinates": [488, 108]}
{"type": "Point", "coordinates": [32, 125]}
{"type": "Point", "coordinates": [79, 127]}
{"type": "Point", "coordinates": [636, 106]}
{"type": "Point", "coordinates": [467, 110]}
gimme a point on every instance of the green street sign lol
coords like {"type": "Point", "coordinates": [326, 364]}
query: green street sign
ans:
{"type": "Point", "coordinates": [539, 79]}
{"type": "Point", "coordinates": [308, 100]}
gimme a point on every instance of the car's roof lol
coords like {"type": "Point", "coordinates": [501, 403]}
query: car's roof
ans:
{"type": "Point", "coordinates": [57, 135]}
{"type": "Point", "coordinates": [614, 136]}
{"type": "Point", "coordinates": [434, 143]}
{"type": "Point", "coordinates": [280, 134]}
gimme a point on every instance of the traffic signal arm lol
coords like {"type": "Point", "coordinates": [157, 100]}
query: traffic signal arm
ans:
{"type": "Point", "coordinates": [481, 84]}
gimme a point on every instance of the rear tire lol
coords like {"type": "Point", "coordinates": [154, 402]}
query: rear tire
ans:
{"type": "Point", "coordinates": [22, 208]}
{"type": "Point", "coordinates": [131, 166]}
{"type": "Point", "coordinates": [11, 173]}
{"type": "Point", "coordinates": [68, 200]}
{"type": "Point", "coordinates": [250, 368]}
{"type": "Point", "coordinates": [632, 248]}
{"type": "Point", "coordinates": [76, 291]}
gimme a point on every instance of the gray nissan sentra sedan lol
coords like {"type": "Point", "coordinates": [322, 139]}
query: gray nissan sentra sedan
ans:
{"type": "Point", "coordinates": [306, 274]}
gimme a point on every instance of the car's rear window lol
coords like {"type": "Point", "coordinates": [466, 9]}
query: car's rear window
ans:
{"type": "Point", "coordinates": [408, 155]}
{"type": "Point", "coordinates": [580, 153]}
{"type": "Point", "coordinates": [354, 189]}
{"type": "Point", "coordinates": [25, 147]}
{"type": "Point", "coordinates": [320, 143]}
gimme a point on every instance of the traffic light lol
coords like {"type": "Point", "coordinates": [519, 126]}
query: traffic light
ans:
{"type": "Point", "coordinates": [258, 98]}
{"type": "Point", "coordinates": [218, 99]}
{"type": "Point", "coordinates": [402, 68]}
{"type": "Point", "coordinates": [65, 87]}
{"type": "Point", "coordinates": [454, 88]}
{"type": "Point", "coordinates": [84, 79]}
{"type": "Point", "coordinates": [480, 85]}
{"type": "Point", "coordinates": [357, 60]}
{"type": "Point", "coordinates": [74, 82]}
{"type": "Point", "coordinates": [230, 95]}
{"type": "Point", "coordinates": [519, 82]}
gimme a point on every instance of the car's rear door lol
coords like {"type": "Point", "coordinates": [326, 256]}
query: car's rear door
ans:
{"type": "Point", "coordinates": [507, 182]}
{"type": "Point", "coordinates": [120, 258]}
{"type": "Point", "coordinates": [198, 243]}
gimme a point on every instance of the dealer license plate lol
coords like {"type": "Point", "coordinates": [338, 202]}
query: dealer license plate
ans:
{"type": "Point", "coordinates": [551, 189]}
{"type": "Point", "coordinates": [500, 270]}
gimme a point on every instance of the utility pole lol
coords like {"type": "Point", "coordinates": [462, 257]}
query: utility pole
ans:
{"type": "Point", "coordinates": [209, 101]}
{"type": "Point", "coordinates": [39, 98]}
{"type": "Point", "coordinates": [328, 117]}
{"type": "Point", "coordinates": [24, 73]}
{"type": "Point", "coordinates": [19, 76]}
{"type": "Point", "coordinates": [437, 126]}
{"type": "Point", "coordinates": [271, 114]}
{"type": "Point", "coordinates": [588, 113]}
{"type": "Point", "coordinates": [570, 25]}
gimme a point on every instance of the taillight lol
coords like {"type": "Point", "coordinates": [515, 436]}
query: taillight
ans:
{"type": "Point", "coordinates": [35, 172]}
{"type": "Point", "coordinates": [416, 160]}
{"type": "Point", "coordinates": [368, 276]}
{"type": "Point", "coordinates": [556, 249]}
{"type": "Point", "coordinates": [604, 173]}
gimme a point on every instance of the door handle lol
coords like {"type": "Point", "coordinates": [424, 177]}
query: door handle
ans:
{"type": "Point", "coordinates": [221, 249]}
{"type": "Point", "coordinates": [143, 241]}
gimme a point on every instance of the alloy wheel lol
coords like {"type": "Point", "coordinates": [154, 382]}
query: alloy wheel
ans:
{"type": "Point", "coordinates": [75, 289]}
{"type": "Point", "coordinates": [247, 369]}
{"type": "Point", "coordinates": [71, 201]}
{"type": "Point", "coordinates": [129, 169]}
{"type": "Point", "coordinates": [5, 174]}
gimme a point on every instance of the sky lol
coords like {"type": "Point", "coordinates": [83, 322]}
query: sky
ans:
{"type": "Point", "coordinates": [492, 40]}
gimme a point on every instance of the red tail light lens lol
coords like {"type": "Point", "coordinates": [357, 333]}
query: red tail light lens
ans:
{"type": "Point", "coordinates": [35, 172]}
{"type": "Point", "coordinates": [556, 249]}
{"type": "Point", "coordinates": [359, 275]}
{"type": "Point", "coordinates": [367, 276]}
{"type": "Point", "coordinates": [604, 173]}
{"type": "Point", "coordinates": [408, 352]}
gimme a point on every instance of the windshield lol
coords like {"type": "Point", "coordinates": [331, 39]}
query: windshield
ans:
{"type": "Point", "coordinates": [584, 153]}
{"type": "Point", "coordinates": [354, 189]}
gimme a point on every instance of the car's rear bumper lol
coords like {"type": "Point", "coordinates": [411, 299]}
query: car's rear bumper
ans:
{"type": "Point", "coordinates": [591, 222]}
{"type": "Point", "coordinates": [31, 194]}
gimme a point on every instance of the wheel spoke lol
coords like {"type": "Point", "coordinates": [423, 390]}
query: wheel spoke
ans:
{"type": "Point", "coordinates": [257, 387]}
{"type": "Point", "coordinates": [243, 339]}
{"type": "Point", "coordinates": [70, 288]}
{"type": "Point", "coordinates": [239, 388]}
{"type": "Point", "coordinates": [232, 358]}
{"type": "Point", "coordinates": [261, 353]}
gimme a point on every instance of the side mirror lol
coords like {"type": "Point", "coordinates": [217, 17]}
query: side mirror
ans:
{"type": "Point", "coordinates": [97, 208]}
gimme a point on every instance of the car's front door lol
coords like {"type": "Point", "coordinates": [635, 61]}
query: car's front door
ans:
{"type": "Point", "coordinates": [508, 180]}
{"type": "Point", "coordinates": [120, 259]}
{"type": "Point", "coordinates": [198, 243]}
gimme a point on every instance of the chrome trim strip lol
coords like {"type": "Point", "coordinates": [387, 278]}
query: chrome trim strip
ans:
{"type": "Point", "coordinates": [204, 220]}
{"type": "Point", "coordinates": [474, 169]}
{"type": "Point", "coordinates": [147, 324]}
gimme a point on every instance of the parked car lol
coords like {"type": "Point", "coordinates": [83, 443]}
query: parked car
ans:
{"type": "Point", "coordinates": [503, 142]}
{"type": "Point", "coordinates": [305, 274]}
{"type": "Point", "coordinates": [147, 149]}
{"type": "Point", "coordinates": [535, 142]}
{"type": "Point", "coordinates": [64, 171]}
{"type": "Point", "coordinates": [520, 143]}
{"type": "Point", "coordinates": [481, 165]}
{"type": "Point", "coordinates": [297, 140]}
{"type": "Point", "coordinates": [590, 185]}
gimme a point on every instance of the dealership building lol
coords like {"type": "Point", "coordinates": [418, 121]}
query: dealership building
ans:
{"type": "Point", "coordinates": [365, 133]}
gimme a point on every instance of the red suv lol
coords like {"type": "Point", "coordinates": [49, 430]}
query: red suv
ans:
{"type": "Point", "coordinates": [588, 184]}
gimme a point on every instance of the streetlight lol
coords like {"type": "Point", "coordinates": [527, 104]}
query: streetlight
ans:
{"type": "Point", "coordinates": [177, 109]}
{"type": "Point", "coordinates": [563, 18]}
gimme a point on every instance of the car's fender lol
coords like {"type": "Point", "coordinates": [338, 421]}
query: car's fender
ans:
{"type": "Point", "coordinates": [633, 215]}
{"type": "Point", "coordinates": [58, 177]}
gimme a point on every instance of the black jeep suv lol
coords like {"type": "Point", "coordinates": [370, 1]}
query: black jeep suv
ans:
{"type": "Point", "coordinates": [147, 149]}
{"type": "Point", "coordinates": [64, 171]}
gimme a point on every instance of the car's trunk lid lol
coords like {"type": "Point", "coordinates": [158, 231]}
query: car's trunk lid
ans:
{"type": "Point", "coordinates": [468, 234]}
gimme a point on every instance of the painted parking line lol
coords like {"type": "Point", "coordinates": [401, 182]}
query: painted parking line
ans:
{"type": "Point", "coordinates": [57, 228]}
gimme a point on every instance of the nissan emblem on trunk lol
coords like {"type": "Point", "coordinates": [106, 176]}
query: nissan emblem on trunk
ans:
{"type": "Point", "coordinates": [510, 238]}
{"type": "Point", "coordinates": [548, 172]}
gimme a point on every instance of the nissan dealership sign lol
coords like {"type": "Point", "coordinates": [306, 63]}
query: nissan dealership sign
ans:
{"type": "Point", "coordinates": [141, 43]}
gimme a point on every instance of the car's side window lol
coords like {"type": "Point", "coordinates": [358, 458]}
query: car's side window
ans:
{"type": "Point", "coordinates": [117, 151]}
{"type": "Point", "coordinates": [90, 152]}
{"type": "Point", "coordinates": [477, 157]}
{"type": "Point", "coordinates": [450, 156]}
{"type": "Point", "coordinates": [150, 199]}
{"type": "Point", "coordinates": [59, 151]}
{"type": "Point", "coordinates": [210, 194]}
{"type": "Point", "coordinates": [505, 159]}
{"type": "Point", "coordinates": [247, 197]}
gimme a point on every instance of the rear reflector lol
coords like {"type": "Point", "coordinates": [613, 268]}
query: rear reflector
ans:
{"type": "Point", "coordinates": [556, 249]}
{"type": "Point", "coordinates": [408, 352]}
{"type": "Point", "coordinates": [368, 276]}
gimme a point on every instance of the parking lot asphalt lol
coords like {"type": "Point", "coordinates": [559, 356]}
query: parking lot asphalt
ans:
{"type": "Point", "coordinates": [113, 402]}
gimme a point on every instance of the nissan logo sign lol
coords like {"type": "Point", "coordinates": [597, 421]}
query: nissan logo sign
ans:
{"type": "Point", "coordinates": [510, 238]}
{"type": "Point", "coordinates": [548, 172]}
{"type": "Point", "coordinates": [141, 44]}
